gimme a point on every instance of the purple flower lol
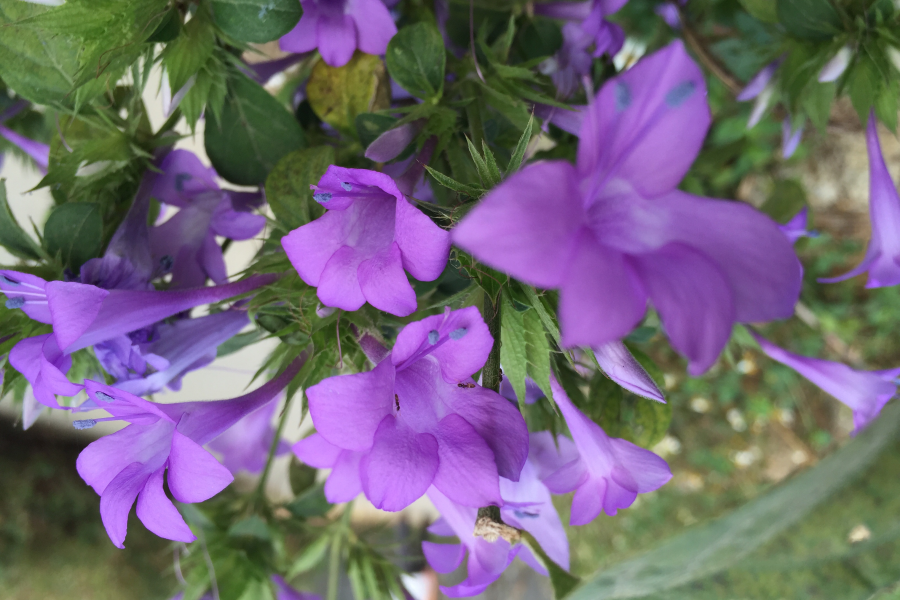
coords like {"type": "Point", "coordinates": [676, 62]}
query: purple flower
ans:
{"type": "Point", "coordinates": [42, 364]}
{"type": "Point", "coordinates": [619, 365]}
{"type": "Point", "coordinates": [835, 67]}
{"type": "Point", "coordinates": [865, 392]}
{"type": "Point", "coordinates": [668, 11]}
{"type": "Point", "coordinates": [882, 259]}
{"type": "Point", "coordinates": [527, 506]}
{"type": "Point", "coordinates": [572, 61]}
{"type": "Point", "coordinates": [343, 483]}
{"type": "Point", "coordinates": [245, 446]}
{"type": "Point", "coordinates": [419, 419]}
{"type": "Point", "coordinates": [338, 27]}
{"type": "Point", "coordinates": [161, 437]}
{"type": "Point", "coordinates": [188, 239]}
{"type": "Point", "coordinates": [392, 142]}
{"type": "Point", "coordinates": [613, 230]}
{"type": "Point", "coordinates": [567, 120]}
{"type": "Point", "coordinates": [796, 228]}
{"type": "Point", "coordinates": [605, 473]}
{"type": "Point", "coordinates": [37, 151]}
{"type": "Point", "coordinates": [791, 135]}
{"type": "Point", "coordinates": [760, 87]}
{"type": "Point", "coordinates": [357, 251]}
{"type": "Point", "coordinates": [607, 37]}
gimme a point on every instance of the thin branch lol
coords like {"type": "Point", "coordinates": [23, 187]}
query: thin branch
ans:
{"type": "Point", "coordinates": [699, 45]}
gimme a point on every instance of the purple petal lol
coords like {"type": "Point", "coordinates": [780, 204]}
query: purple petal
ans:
{"type": "Point", "coordinates": [183, 177]}
{"type": "Point", "coordinates": [104, 459]}
{"type": "Point", "coordinates": [194, 474]}
{"type": "Point", "coordinates": [302, 38]}
{"type": "Point", "coordinates": [339, 284]}
{"type": "Point", "coordinates": [882, 259]}
{"type": "Point", "coordinates": [74, 307]}
{"type": "Point", "coordinates": [444, 558]}
{"type": "Point", "coordinates": [567, 120]}
{"type": "Point", "coordinates": [424, 245]}
{"type": "Point", "coordinates": [344, 483]}
{"type": "Point", "coordinates": [600, 300]}
{"type": "Point", "coordinates": [316, 451]}
{"type": "Point", "coordinates": [374, 25]}
{"type": "Point", "coordinates": [548, 454]}
{"type": "Point", "coordinates": [310, 247]}
{"type": "Point", "coordinates": [647, 125]}
{"type": "Point", "coordinates": [235, 224]}
{"type": "Point", "coordinates": [790, 137]}
{"type": "Point", "coordinates": [835, 67]}
{"type": "Point", "coordinates": [263, 71]}
{"type": "Point", "coordinates": [638, 469]}
{"type": "Point", "coordinates": [570, 11]}
{"type": "Point", "coordinates": [400, 466]}
{"type": "Point", "coordinates": [693, 300]}
{"type": "Point", "coordinates": [568, 477]}
{"type": "Point", "coordinates": [31, 289]}
{"type": "Point", "coordinates": [384, 284]}
{"type": "Point", "coordinates": [392, 142]}
{"type": "Point", "coordinates": [796, 228]}
{"type": "Point", "coordinates": [620, 366]}
{"type": "Point", "coordinates": [117, 499]}
{"type": "Point", "coordinates": [245, 446]}
{"type": "Point", "coordinates": [39, 152]}
{"type": "Point", "coordinates": [467, 473]}
{"type": "Point", "coordinates": [158, 514]}
{"type": "Point", "coordinates": [760, 81]}
{"type": "Point", "coordinates": [336, 36]}
{"type": "Point", "coordinates": [526, 225]}
{"type": "Point", "coordinates": [348, 409]}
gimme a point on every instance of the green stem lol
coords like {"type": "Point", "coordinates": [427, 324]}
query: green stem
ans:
{"type": "Point", "coordinates": [334, 559]}
{"type": "Point", "coordinates": [273, 448]}
{"type": "Point", "coordinates": [490, 375]}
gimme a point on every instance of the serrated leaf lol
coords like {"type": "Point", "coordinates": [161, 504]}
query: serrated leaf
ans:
{"type": "Point", "coordinates": [338, 94]}
{"type": "Point", "coordinates": [75, 232]}
{"type": "Point", "coordinates": [256, 21]}
{"type": "Point", "coordinates": [519, 153]}
{"type": "Point", "coordinates": [188, 53]}
{"type": "Point", "coordinates": [12, 237]}
{"type": "Point", "coordinates": [452, 184]}
{"type": "Point", "coordinates": [513, 354]}
{"type": "Point", "coordinates": [416, 60]}
{"type": "Point", "coordinates": [287, 186]}
{"type": "Point", "coordinates": [491, 162]}
{"type": "Point", "coordinates": [484, 173]}
{"type": "Point", "coordinates": [253, 133]}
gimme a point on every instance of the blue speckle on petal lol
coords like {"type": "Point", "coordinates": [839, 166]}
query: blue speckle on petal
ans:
{"type": "Point", "coordinates": [84, 424]}
{"type": "Point", "coordinates": [433, 337]}
{"type": "Point", "coordinates": [347, 186]}
{"type": "Point", "coordinates": [166, 263]}
{"type": "Point", "coordinates": [681, 92]}
{"type": "Point", "coordinates": [458, 333]}
{"type": "Point", "coordinates": [104, 397]}
{"type": "Point", "coordinates": [623, 96]}
{"type": "Point", "coordinates": [15, 302]}
{"type": "Point", "coordinates": [180, 179]}
{"type": "Point", "coordinates": [522, 514]}
{"type": "Point", "coordinates": [9, 281]}
{"type": "Point", "coordinates": [322, 197]}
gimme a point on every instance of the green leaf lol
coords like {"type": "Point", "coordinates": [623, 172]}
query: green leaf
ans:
{"type": "Point", "coordinates": [253, 527]}
{"type": "Point", "coordinates": [493, 169]}
{"type": "Point", "coordinates": [887, 103]}
{"type": "Point", "coordinates": [815, 20]}
{"type": "Point", "coordinates": [864, 85]}
{"type": "Point", "coordinates": [787, 199]}
{"type": "Point", "coordinates": [338, 94]}
{"type": "Point", "coordinates": [257, 589]}
{"type": "Point", "coordinates": [513, 354]}
{"type": "Point", "coordinates": [713, 547]}
{"type": "Point", "coordinates": [484, 173]}
{"type": "Point", "coordinates": [287, 187]}
{"type": "Point", "coordinates": [817, 103]}
{"type": "Point", "coordinates": [40, 66]}
{"type": "Point", "coordinates": [75, 231]}
{"type": "Point", "coordinates": [519, 153]}
{"type": "Point", "coordinates": [310, 557]}
{"type": "Point", "coordinates": [764, 10]}
{"type": "Point", "coordinates": [450, 183]}
{"type": "Point", "coordinates": [311, 503]}
{"type": "Point", "coordinates": [562, 581]}
{"type": "Point", "coordinates": [253, 133]}
{"type": "Point", "coordinates": [168, 29]}
{"type": "Point", "coordinates": [369, 126]}
{"type": "Point", "coordinates": [188, 53]}
{"type": "Point", "coordinates": [13, 237]}
{"type": "Point", "coordinates": [256, 21]}
{"type": "Point", "coordinates": [416, 59]}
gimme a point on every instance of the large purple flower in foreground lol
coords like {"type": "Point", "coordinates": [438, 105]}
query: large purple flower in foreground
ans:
{"type": "Point", "coordinates": [613, 230]}
{"type": "Point", "coordinates": [343, 483]}
{"type": "Point", "coordinates": [419, 419]}
{"type": "Point", "coordinates": [866, 392]}
{"type": "Point", "coordinates": [188, 239]}
{"type": "Point", "coordinates": [528, 506]}
{"type": "Point", "coordinates": [161, 437]}
{"type": "Point", "coordinates": [605, 473]}
{"type": "Point", "coordinates": [357, 251]}
{"type": "Point", "coordinates": [882, 259]}
{"type": "Point", "coordinates": [338, 27]}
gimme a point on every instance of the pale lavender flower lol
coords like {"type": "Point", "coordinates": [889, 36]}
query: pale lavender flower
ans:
{"type": "Point", "coordinates": [343, 483]}
{"type": "Point", "coordinates": [762, 89]}
{"type": "Point", "coordinates": [791, 134]}
{"type": "Point", "coordinates": [130, 464]}
{"type": "Point", "coordinates": [420, 420]}
{"type": "Point", "coordinates": [835, 67]}
{"type": "Point", "coordinates": [571, 62]}
{"type": "Point", "coordinates": [591, 15]}
{"type": "Point", "coordinates": [619, 365]}
{"type": "Point", "coordinates": [613, 231]}
{"type": "Point", "coordinates": [605, 473]}
{"type": "Point", "coordinates": [882, 259]}
{"type": "Point", "coordinates": [338, 27]}
{"type": "Point", "coordinates": [245, 445]}
{"type": "Point", "coordinates": [865, 392]}
{"type": "Point", "coordinates": [392, 142]}
{"type": "Point", "coordinates": [357, 252]}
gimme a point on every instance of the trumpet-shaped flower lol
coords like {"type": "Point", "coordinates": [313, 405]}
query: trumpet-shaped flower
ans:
{"type": "Point", "coordinates": [130, 463]}
{"type": "Point", "coordinates": [42, 364]}
{"type": "Point", "coordinates": [419, 419]}
{"type": "Point", "coordinates": [527, 506]}
{"type": "Point", "coordinates": [343, 483]}
{"type": "Point", "coordinates": [338, 27]}
{"type": "Point", "coordinates": [188, 238]}
{"type": "Point", "coordinates": [605, 473]}
{"type": "Point", "coordinates": [865, 392]}
{"type": "Point", "coordinates": [619, 365]}
{"type": "Point", "coordinates": [613, 230]}
{"type": "Point", "coordinates": [882, 259]}
{"type": "Point", "coordinates": [358, 250]}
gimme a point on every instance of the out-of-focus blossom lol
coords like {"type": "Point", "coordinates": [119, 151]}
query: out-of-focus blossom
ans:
{"type": "Point", "coordinates": [245, 445]}
{"type": "Point", "coordinates": [796, 228]}
{"type": "Point", "coordinates": [571, 62]}
{"type": "Point", "coordinates": [613, 231]}
{"type": "Point", "coordinates": [338, 27]}
{"type": "Point", "coordinates": [761, 89]}
{"type": "Point", "coordinates": [420, 420]}
{"type": "Point", "coordinates": [605, 473]}
{"type": "Point", "coordinates": [37, 151]}
{"type": "Point", "coordinates": [130, 463]}
{"type": "Point", "coordinates": [835, 67]}
{"type": "Point", "coordinates": [865, 392]}
{"type": "Point", "coordinates": [357, 252]}
{"type": "Point", "coordinates": [619, 365]}
{"type": "Point", "coordinates": [791, 134]}
{"type": "Point", "coordinates": [882, 259]}
{"type": "Point", "coordinates": [283, 591]}
{"type": "Point", "coordinates": [392, 142]}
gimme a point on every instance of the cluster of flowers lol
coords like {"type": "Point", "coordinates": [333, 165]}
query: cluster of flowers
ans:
{"type": "Point", "coordinates": [612, 233]}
